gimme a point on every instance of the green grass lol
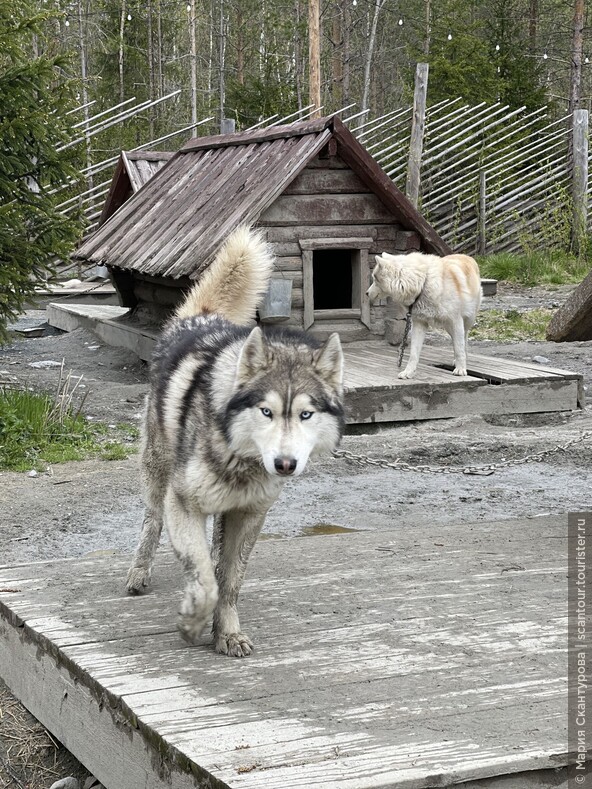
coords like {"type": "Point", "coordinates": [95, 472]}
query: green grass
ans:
{"type": "Point", "coordinates": [36, 432]}
{"type": "Point", "coordinates": [511, 325]}
{"type": "Point", "coordinates": [547, 267]}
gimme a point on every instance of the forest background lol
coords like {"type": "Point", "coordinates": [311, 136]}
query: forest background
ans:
{"type": "Point", "coordinates": [62, 63]}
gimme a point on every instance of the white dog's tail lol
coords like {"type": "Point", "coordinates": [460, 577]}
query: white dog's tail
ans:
{"type": "Point", "coordinates": [236, 280]}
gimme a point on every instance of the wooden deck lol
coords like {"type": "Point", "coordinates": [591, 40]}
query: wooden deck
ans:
{"type": "Point", "coordinates": [400, 659]}
{"type": "Point", "coordinates": [374, 393]}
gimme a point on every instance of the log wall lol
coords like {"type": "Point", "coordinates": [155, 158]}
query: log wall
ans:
{"type": "Point", "coordinates": [328, 200]}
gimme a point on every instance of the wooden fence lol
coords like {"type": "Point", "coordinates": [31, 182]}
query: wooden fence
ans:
{"type": "Point", "coordinates": [487, 177]}
{"type": "Point", "coordinates": [491, 179]}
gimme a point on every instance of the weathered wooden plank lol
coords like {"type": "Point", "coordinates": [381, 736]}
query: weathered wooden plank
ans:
{"type": "Point", "coordinates": [483, 365]}
{"type": "Point", "coordinates": [196, 191]}
{"type": "Point", "coordinates": [335, 209]}
{"type": "Point", "coordinates": [348, 242]}
{"type": "Point", "coordinates": [314, 181]}
{"type": "Point", "coordinates": [120, 190]}
{"type": "Point", "coordinates": [85, 724]}
{"type": "Point", "coordinates": [257, 135]}
{"type": "Point", "coordinates": [341, 700]}
{"type": "Point", "coordinates": [288, 249]}
{"type": "Point", "coordinates": [289, 262]}
{"type": "Point", "coordinates": [307, 288]}
{"type": "Point", "coordinates": [149, 156]}
{"type": "Point", "coordinates": [263, 189]}
{"type": "Point", "coordinates": [434, 401]}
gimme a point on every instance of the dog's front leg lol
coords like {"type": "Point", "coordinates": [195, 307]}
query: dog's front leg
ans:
{"type": "Point", "coordinates": [418, 334]}
{"type": "Point", "coordinates": [187, 531]}
{"type": "Point", "coordinates": [235, 534]}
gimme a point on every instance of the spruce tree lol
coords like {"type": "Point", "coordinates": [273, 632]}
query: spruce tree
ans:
{"type": "Point", "coordinates": [34, 94]}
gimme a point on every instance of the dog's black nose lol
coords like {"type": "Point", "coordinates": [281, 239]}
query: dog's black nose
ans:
{"type": "Point", "coordinates": [285, 466]}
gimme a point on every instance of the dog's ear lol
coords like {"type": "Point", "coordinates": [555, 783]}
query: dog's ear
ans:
{"type": "Point", "coordinates": [379, 261]}
{"type": "Point", "coordinates": [328, 362]}
{"type": "Point", "coordinates": [253, 356]}
{"type": "Point", "coordinates": [388, 258]}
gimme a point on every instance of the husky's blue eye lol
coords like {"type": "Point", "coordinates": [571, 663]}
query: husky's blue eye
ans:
{"type": "Point", "coordinates": [266, 412]}
{"type": "Point", "coordinates": [305, 414]}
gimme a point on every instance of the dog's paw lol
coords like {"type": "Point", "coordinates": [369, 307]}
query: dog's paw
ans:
{"type": "Point", "coordinates": [138, 580]}
{"type": "Point", "coordinates": [233, 644]}
{"type": "Point", "coordinates": [191, 627]}
{"type": "Point", "coordinates": [407, 374]}
{"type": "Point", "coordinates": [459, 371]}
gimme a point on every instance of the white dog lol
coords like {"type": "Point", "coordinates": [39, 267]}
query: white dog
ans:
{"type": "Point", "coordinates": [441, 293]}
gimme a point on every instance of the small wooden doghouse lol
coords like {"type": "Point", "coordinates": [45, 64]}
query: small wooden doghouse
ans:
{"type": "Point", "coordinates": [324, 203]}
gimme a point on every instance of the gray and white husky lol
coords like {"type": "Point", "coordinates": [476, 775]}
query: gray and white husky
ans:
{"type": "Point", "coordinates": [233, 412]}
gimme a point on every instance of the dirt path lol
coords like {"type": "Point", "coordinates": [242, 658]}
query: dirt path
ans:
{"type": "Point", "coordinates": [78, 508]}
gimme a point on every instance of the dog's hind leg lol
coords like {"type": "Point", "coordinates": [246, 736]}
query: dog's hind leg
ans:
{"type": "Point", "coordinates": [138, 576]}
{"type": "Point", "coordinates": [154, 477]}
{"type": "Point", "coordinates": [235, 534]}
{"type": "Point", "coordinates": [155, 482]}
{"type": "Point", "coordinates": [458, 332]}
{"type": "Point", "coordinates": [187, 532]}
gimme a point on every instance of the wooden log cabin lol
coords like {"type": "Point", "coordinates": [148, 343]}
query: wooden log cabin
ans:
{"type": "Point", "coordinates": [324, 203]}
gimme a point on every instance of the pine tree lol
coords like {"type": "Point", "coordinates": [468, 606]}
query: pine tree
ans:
{"type": "Point", "coordinates": [34, 92]}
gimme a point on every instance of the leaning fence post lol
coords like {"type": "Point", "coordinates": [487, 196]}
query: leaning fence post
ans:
{"type": "Point", "coordinates": [482, 240]}
{"type": "Point", "coordinates": [580, 180]}
{"type": "Point", "coordinates": [417, 131]}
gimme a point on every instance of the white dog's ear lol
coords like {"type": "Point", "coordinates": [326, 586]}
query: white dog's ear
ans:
{"type": "Point", "coordinates": [253, 356]}
{"type": "Point", "coordinates": [328, 362]}
{"type": "Point", "coordinates": [388, 258]}
{"type": "Point", "coordinates": [379, 259]}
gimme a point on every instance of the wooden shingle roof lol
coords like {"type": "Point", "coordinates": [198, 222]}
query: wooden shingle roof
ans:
{"type": "Point", "coordinates": [133, 170]}
{"type": "Point", "coordinates": [173, 226]}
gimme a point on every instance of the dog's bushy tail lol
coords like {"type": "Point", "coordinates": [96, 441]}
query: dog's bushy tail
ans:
{"type": "Point", "coordinates": [236, 280]}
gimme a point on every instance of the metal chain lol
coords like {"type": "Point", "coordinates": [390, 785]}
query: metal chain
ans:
{"type": "Point", "coordinates": [487, 470]}
{"type": "Point", "coordinates": [408, 325]}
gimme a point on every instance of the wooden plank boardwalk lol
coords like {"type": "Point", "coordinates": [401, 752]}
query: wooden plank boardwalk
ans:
{"type": "Point", "coordinates": [373, 392]}
{"type": "Point", "coordinates": [401, 659]}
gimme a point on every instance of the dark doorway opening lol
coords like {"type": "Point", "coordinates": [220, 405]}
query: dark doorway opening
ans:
{"type": "Point", "coordinates": [332, 279]}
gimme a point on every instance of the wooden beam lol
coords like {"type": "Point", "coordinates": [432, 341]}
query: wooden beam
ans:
{"type": "Point", "coordinates": [119, 191]}
{"type": "Point", "coordinates": [258, 135]}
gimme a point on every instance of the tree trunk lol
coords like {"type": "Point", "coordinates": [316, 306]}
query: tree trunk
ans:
{"type": "Point", "coordinates": [314, 55]}
{"type": "Point", "coordinates": [159, 49]}
{"type": "Point", "coordinates": [427, 42]}
{"type": "Point", "coordinates": [221, 59]}
{"type": "Point", "coordinates": [193, 63]}
{"type": "Point", "coordinates": [533, 20]}
{"type": "Point", "coordinates": [150, 54]}
{"type": "Point", "coordinates": [240, 47]}
{"type": "Point", "coordinates": [346, 53]}
{"type": "Point", "coordinates": [121, 53]}
{"type": "Point", "coordinates": [370, 52]}
{"type": "Point", "coordinates": [298, 59]}
{"type": "Point", "coordinates": [337, 58]}
{"type": "Point", "coordinates": [84, 77]}
{"type": "Point", "coordinates": [577, 48]}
